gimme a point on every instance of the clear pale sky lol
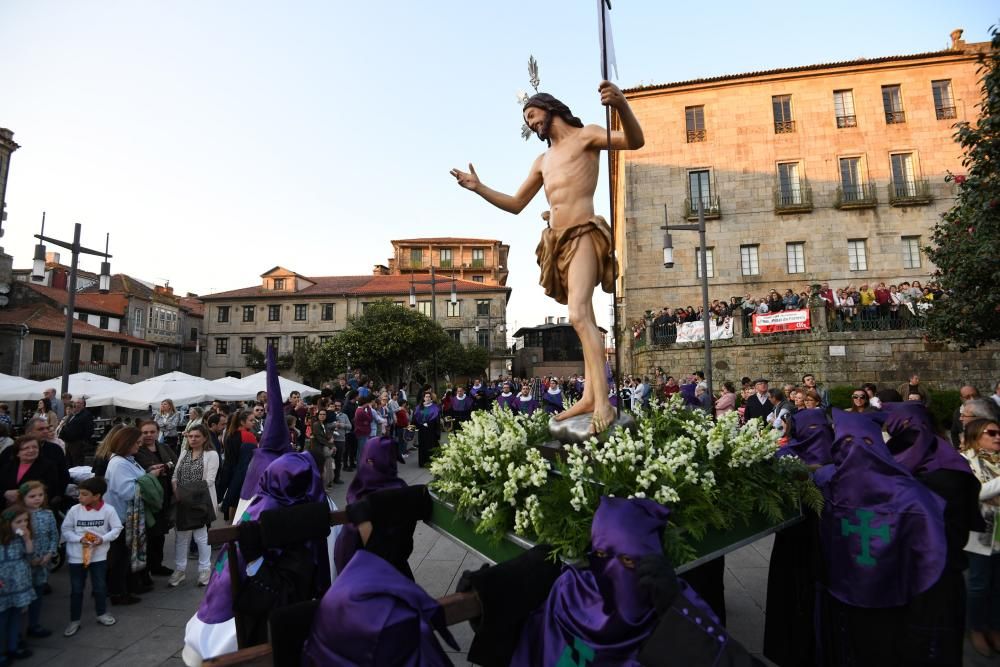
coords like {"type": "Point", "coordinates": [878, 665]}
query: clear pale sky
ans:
{"type": "Point", "coordinates": [214, 140]}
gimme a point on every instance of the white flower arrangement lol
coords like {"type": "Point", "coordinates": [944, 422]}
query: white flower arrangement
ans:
{"type": "Point", "coordinates": [713, 474]}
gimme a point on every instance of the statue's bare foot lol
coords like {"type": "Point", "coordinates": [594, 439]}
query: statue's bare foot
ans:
{"type": "Point", "coordinates": [602, 418]}
{"type": "Point", "coordinates": [583, 406]}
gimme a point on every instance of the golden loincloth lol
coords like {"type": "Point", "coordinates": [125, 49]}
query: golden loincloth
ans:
{"type": "Point", "coordinates": [556, 250]}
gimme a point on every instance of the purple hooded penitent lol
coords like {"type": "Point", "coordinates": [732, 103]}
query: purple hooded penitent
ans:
{"type": "Point", "coordinates": [600, 611]}
{"type": "Point", "coordinates": [882, 531]}
{"type": "Point", "coordinates": [274, 440]}
{"type": "Point", "coordinates": [915, 445]}
{"type": "Point", "coordinates": [812, 438]}
{"type": "Point", "coordinates": [376, 471]}
{"type": "Point", "coordinates": [293, 479]}
{"type": "Point", "coordinates": [373, 615]}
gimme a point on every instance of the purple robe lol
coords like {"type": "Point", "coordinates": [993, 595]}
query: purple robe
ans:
{"type": "Point", "coordinates": [812, 438]}
{"type": "Point", "coordinates": [507, 401]}
{"type": "Point", "coordinates": [373, 615]}
{"type": "Point", "coordinates": [882, 531]}
{"type": "Point", "coordinates": [689, 396]}
{"type": "Point", "coordinates": [274, 440]}
{"type": "Point", "coordinates": [461, 406]}
{"type": "Point", "coordinates": [553, 403]}
{"type": "Point", "coordinates": [915, 445]}
{"type": "Point", "coordinates": [525, 407]}
{"type": "Point", "coordinates": [600, 611]}
{"type": "Point", "coordinates": [376, 471]}
{"type": "Point", "coordinates": [293, 479]}
{"type": "Point", "coordinates": [425, 414]}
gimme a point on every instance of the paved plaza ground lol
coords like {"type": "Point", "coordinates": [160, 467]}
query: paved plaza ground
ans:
{"type": "Point", "coordinates": [151, 633]}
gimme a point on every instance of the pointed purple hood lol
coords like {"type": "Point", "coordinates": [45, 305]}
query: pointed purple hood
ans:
{"type": "Point", "coordinates": [915, 445]}
{"type": "Point", "coordinates": [274, 440]}
{"type": "Point", "coordinates": [811, 439]}
{"type": "Point", "coordinates": [882, 530]}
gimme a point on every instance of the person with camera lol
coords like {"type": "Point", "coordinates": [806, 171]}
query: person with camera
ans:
{"type": "Point", "coordinates": [151, 453]}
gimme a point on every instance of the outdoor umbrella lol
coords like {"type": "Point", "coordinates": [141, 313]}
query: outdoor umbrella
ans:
{"type": "Point", "coordinates": [258, 382]}
{"type": "Point", "coordinates": [97, 389]}
{"type": "Point", "coordinates": [14, 388]}
{"type": "Point", "coordinates": [179, 387]}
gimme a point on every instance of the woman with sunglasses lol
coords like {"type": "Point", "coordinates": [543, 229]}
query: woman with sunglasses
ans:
{"type": "Point", "coordinates": [982, 449]}
{"type": "Point", "coordinates": [860, 401]}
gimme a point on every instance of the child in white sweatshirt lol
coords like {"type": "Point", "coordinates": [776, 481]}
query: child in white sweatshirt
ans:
{"type": "Point", "coordinates": [88, 530]}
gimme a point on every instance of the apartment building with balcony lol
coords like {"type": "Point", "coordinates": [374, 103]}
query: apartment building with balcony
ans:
{"type": "Point", "coordinates": [287, 309]}
{"type": "Point", "coordinates": [476, 260]}
{"type": "Point", "coordinates": [832, 172]}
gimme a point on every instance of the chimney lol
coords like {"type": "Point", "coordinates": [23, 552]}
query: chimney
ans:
{"type": "Point", "coordinates": [380, 270]}
{"type": "Point", "coordinates": [164, 289]}
{"type": "Point", "coordinates": [563, 320]}
{"type": "Point", "coordinates": [550, 319]}
{"type": "Point", "coordinates": [52, 258]}
{"type": "Point", "coordinates": [956, 39]}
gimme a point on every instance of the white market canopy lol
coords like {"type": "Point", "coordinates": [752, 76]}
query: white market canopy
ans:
{"type": "Point", "coordinates": [179, 387]}
{"type": "Point", "coordinates": [258, 382]}
{"type": "Point", "coordinates": [97, 389]}
{"type": "Point", "coordinates": [14, 388]}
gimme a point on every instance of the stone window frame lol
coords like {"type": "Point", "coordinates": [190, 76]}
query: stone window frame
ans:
{"type": "Point", "coordinates": [300, 309]}
{"type": "Point", "coordinates": [710, 257]}
{"type": "Point", "coordinates": [863, 176]}
{"type": "Point", "coordinates": [750, 261]}
{"type": "Point", "coordinates": [246, 344]}
{"type": "Point", "coordinates": [222, 345]}
{"type": "Point", "coordinates": [249, 313]}
{"type": "Point", "coordinates": [788, 264]}
{"type": "Point", "coordinates": [455, 309]}
{"type": "Point", "coordinates": [911, 251]}
{"type": "Point", "coordinates": [273, 312]}
{"type": "Point", "coordinates": [328, 309]}
{"type": "Point", "coordinates": [857, 260]}
{"type": "Point", "coordinates": [800, 175]}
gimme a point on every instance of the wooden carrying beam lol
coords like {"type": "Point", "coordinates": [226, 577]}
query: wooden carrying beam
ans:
{"type": "Point", "coordinates": [225, 534]}
{"type": "Point", "coordinates": [457, 607]}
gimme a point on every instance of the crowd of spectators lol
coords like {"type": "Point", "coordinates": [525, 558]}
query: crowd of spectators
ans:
{"type": "Point", "coordinates": [845, 306]}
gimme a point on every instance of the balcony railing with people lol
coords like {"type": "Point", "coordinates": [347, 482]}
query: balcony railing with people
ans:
{"type": "Point", "coordinates": [895, 117]}
{"type": "Point", "coordinates": [910, 193]}
{"type": "Point", "coordinates": [847, 121]}
{"type": "Point", "coordinates": [793, 198]}
{"type": "Point", "coordinates": [856, 195]}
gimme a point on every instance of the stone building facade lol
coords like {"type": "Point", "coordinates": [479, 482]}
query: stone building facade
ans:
{"type": "Point", "coordinates": [820, 173]}
{"type": "Point", "coordinates": [476, 260]}
{"type": "Point", "coordinates": [288, 309]}
{"type": "Point", "coordinates": [887, 358]}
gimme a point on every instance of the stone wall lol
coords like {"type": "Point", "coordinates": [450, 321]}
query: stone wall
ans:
{"type": "Point", "coordinates": [883, 357]}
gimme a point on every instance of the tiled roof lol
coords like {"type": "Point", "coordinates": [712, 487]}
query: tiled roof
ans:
{"type": "Point", "coordinates": [356, 286]}
{"type": "Point", "coordinates": [193, 305]}
{"type": "Point", "coordinates": [107, 304]}
{"type": "Point", "coordinates": [802, 68]}
{"type": "Point", "coordinates": [43, 318]}
{"type": "Point", "coordinates": [447, 239]}
{"type": "Point", "coordinates": [127, 285]}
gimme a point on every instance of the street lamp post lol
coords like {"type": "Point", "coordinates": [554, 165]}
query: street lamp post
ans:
{"type": "Point", "coordinates": [433, 281]}
{"type": "Point", "coordinates": [38, 274]}
{"type": "Point", "coordinates": [668, 263]}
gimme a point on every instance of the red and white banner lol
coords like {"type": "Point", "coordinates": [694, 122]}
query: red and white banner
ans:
{"type": "Point", "coordinates": [788, 320]}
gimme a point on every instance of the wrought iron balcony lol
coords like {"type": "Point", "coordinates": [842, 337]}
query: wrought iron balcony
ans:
{"type": "Point", "coordinates": [710, 204]}
{"type": "Point", "coordinates": [445, 264]}
{"type": "Point", "coordinates": [784, 126]}
{"type": "Point", "coordinates": [895, 117]}
{"type": "Point", "coordinates": [857, 195]}
{"type": "Point", "coordinates": [944, 113]}
{"type": "Point", "coordinates": [796, 199]}
{"type": "Point", "coordinates": [696, 136]}
{"type": "Point", "coordinates": [478, 263]}
{"type": "Point", "coordinates": [847, 121]}
{"type": "Point", "coordinates": [416, 264]}
{"type": "Point", "coordinates": [910, 193]}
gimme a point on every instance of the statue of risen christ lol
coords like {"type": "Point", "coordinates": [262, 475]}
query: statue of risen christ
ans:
{"type": "Point", "coordinates": [574, 254]}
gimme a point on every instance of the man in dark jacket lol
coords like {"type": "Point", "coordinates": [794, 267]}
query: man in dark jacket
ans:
{"type": "Point", "coordinates": [758, 404]}
{"type": "Point", "coordinates": [78, 432]}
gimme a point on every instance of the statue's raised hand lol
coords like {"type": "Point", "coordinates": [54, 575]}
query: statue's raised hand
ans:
{"type": "Point", "coordinates": [469, 181]}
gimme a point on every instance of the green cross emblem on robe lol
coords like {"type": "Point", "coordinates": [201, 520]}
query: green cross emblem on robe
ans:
{"type": "Point", "coordinates": [577, 655]}
{"type": "Point", "coordinates": [864, 529]}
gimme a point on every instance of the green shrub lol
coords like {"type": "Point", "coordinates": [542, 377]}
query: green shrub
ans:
{"type": "Point", "coordinates": [943, 406]}
{"type": "Point", "coordinates": [840, 396]}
